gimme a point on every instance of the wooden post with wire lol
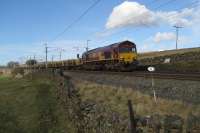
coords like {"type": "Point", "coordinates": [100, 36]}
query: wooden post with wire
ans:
{"type": "Point", "coordinates": [132, 118]}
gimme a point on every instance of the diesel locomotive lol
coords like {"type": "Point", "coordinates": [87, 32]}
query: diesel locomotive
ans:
{"type": "Point", "coordinates": [118, 56]}
{"type": "Point", "coordinates": [121, 56]}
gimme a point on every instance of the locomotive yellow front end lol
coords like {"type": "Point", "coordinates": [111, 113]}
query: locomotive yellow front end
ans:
{"type": "Point", "coordinates": [128, 53]}
{"type": "Point", "coordinates": [128, 57]}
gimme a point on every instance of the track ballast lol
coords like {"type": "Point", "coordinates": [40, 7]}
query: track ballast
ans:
{"type": "Point", "coordinates": [146, 74]}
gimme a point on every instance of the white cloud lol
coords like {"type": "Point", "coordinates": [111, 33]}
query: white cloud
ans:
{"type": "Point", "coordinates": [130, 13]}
{"type": "Point", "coordinates": [165, 36]}
{"type": "Point", "coordinates": [169, 36]}
{"type": "Point", "coordinates": [176, 18]}
{"type": "Point", "coordinates": [196, 22]}
{"type": "Point", "coordinates": [134, 14]}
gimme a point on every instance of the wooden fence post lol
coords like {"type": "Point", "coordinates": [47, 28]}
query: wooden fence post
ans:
{"type": "Point", "coordinates": [132, 118]}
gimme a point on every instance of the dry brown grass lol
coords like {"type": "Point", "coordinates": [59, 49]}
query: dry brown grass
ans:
{"type": "Point", "coordinates": [116, 98]}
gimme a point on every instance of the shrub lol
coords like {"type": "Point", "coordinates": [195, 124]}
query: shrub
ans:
{"type": "Point", "coordinates": [16, 71]}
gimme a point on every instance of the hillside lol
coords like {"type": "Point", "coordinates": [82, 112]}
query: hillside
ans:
{"type": "Point", "coordinates": [182, 60]}
{"type": "Point", "coordinates": [166, 52]}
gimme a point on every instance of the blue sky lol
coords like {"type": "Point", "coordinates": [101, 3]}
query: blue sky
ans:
{"type": "Point", "coordinates": [25, 25]}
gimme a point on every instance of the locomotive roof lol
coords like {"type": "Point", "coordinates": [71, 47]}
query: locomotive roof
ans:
{"type": "Point", "coordinates": [110, 46]}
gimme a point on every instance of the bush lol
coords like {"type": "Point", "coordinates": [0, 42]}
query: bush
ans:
{"type": "Point", "coordinates": [12, 64]}
{"type": "Point", "coordinates": [31, 62]}
{"type": "Point", "coordinates": [16, 71]}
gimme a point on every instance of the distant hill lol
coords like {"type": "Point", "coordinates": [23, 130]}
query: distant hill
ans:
{"type": "Point", "coordinates": [166, 52]}
{"type": "Point", "coordinates": [181, 60]}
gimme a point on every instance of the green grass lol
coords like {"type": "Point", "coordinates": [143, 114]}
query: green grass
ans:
{"type": "Point", "coordinates": [30, 106]}
{"type": "Point", "coordinates": [189, 66]}
{"type": "Point", "coordinates": [2, 77]}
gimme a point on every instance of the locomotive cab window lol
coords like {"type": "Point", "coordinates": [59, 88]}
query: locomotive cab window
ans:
{"type": "Point", "coordinates": [134, 49]}
{"type": "Point", "coordinates": [127, 49]}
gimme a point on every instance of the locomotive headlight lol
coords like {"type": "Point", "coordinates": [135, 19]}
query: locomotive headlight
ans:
{"type": "Point", "coordinates": [121, 58]}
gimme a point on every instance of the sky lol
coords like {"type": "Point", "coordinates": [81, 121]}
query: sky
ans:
{"type": "Point", "coordinates": [26, 25]}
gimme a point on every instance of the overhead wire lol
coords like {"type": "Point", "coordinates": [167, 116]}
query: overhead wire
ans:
{"type": "Point", "coordinates": [162, 5]}
{"type": "Point", "coordinates": [193, 4]}
{"type": "Point", "coordinates": [92, 6]}
{"type": "Point", "coordinates": [149, 3]}
{"type": "Point", "coordinates": [188, 5]}
{"type": "Point", "coordinates": [76, 20]}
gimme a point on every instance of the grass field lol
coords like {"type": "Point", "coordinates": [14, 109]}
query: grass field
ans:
{"type": "Point", "coordinates": [30, 106]}
{"type": "Point", "coordinates": [144, 105]}
{"type": "Point", "coordinates": [33, 105]}
{"type": "Point", "coordinates": [2, 77]}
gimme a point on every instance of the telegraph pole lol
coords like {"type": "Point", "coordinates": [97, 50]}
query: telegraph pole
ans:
{"type": "Point", "coordinates": [177, 31]}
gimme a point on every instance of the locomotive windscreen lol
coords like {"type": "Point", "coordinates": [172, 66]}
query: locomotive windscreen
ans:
{"type": "Point", "coordinates": [127, 49]}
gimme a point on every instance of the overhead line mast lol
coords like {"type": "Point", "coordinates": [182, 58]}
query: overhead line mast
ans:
{"type": "Point", "coordinates": [61, 50]}
{"type": "Point", "coordinates": [177, 30]}
{"type": "Point", "coordinates": [46, 54]}
{"type": "Point", "coordinates": [87, 46]}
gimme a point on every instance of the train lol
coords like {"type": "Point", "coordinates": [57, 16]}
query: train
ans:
{"type": "Point", "coordinates": [121, 56]}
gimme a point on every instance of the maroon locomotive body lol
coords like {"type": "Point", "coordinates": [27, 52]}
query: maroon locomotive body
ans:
{"type": "Point", "coordinates": [114, 56]}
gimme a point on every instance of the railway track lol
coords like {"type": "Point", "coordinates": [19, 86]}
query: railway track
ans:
{"type": "Point", "coordinates": [146, 74]}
